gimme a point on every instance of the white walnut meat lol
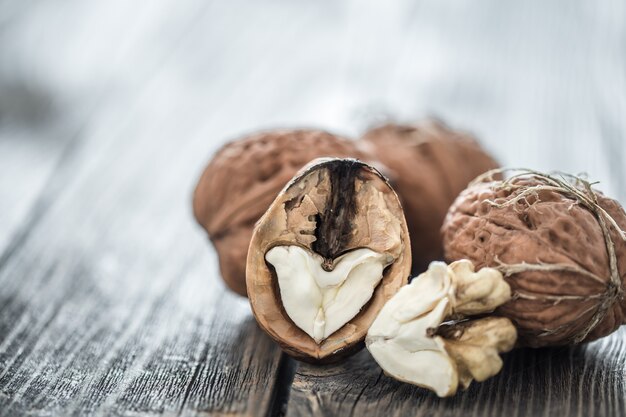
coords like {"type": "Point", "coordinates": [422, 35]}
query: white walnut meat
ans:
{"type": "Point", "coordinates": [411, 342]}
{"type": "Point", "coordinates": [318, 301]}
{"type": "Point", "coordinates": [560, 245]}
{"type": "Point", "coordinates": [428, 165]}
{"type": "Point", "coordinates": [244, 177]}
{"type": "Point", "coordinates": [329, 252]}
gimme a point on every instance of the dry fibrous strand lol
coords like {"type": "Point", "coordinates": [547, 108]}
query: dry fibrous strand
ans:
{"type": "Point", "coordinates": [560, 244]}
{"type": "Point", "coordinates": [331, 249]}
{"type": "Point", "coordinates": [244, 177]}
{"type": "Point", "coordinates": [428, 165]}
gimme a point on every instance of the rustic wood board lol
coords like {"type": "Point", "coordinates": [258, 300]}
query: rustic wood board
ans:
{"type": "Point", "coordinates": [109, 311]}
{"type": "Point", "coordinates": [110, 298]}
{"type": "Point", "coordinates": [583, 380]}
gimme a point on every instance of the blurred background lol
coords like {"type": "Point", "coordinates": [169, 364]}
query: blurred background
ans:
{"type": "Point", "coordinates": [542, 84]}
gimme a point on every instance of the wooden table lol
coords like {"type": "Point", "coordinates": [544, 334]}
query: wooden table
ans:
{"type": "Point", "coordinates": [110, 297]}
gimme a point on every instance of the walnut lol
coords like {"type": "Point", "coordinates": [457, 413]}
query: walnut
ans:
{"type": "Point", "coordinates": [241, 181]}
{"type": "Point", "coordinates": [410, 342]}
{"type": "Point", "coordinates": [331, 249]}
{"type": "Point", "coordinates": [428, 165]}
{"type": "Point", "coordinates": [560, 245]}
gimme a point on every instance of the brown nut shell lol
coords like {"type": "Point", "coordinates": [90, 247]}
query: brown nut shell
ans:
{"type": "Point", "coordinates": [241, 181]}
{"type": "Point", "coordinates": [559, 244]}
{"type": "Point", "coordinates": [428, 164]}
{"type": "Point", "coordinates": [331, 207]}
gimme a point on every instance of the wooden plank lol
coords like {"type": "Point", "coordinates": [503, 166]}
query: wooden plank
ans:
{"type": "Point", "coordinates": [110, 303]}
{"type": "Point", "coordinates": [567, 381]}
{"type": "Point", "coordinates": [161, 350]}
{"type": "Point", "coordinates": [120, 311]}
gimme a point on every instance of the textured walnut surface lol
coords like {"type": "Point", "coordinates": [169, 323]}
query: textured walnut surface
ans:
{"type": "Point", "coordinates": [428, 164]}
{"type": "Point", "coordinates": [559, 249]}
{"type": "Point", "coordinates": [241, 181]}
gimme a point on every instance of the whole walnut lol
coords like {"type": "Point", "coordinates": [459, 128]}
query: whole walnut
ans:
{"type": "Point", "coordinates": [428, 164]}
{"type": "Point", "coordinates": [243, 179]}
{"type": "Point", "coordinates": [560, 245]}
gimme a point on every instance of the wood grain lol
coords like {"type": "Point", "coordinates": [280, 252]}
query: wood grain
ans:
{"type": "Point", "coordinates": [583, 380]}
{"type": "Point", "coordinates": [110, 300]}
{"type": "Point", "coordinates": [118, 310]}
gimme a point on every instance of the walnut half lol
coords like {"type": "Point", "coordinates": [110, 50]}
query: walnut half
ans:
{"type": "Point", "coordinates": [332, 248]}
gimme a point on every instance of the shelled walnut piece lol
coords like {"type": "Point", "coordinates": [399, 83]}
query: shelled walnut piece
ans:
{"type": "Point", "coordinates": [242, 180]}
{"type": "Point", "coordinates": [329, 252]}
{"type": "Point", "coordinates": [560, 244]}
{"type": "Point", "coordinates": [409, 342]}
{"type": "Point", "coordinates": [428, 165]}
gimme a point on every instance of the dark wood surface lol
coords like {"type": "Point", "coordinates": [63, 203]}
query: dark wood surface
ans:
{"type": "Point", "coordinates": [110, 297]}
{"type": "Point", "coordinates": [564, 381]}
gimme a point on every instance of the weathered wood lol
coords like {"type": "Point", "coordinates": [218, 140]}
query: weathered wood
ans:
{"type": "Point", "coordinates": [108, 305]}
{"type": "Point", "coordinates": [110, 300]}
{"type": "Point", "coordinates": [584, 381]}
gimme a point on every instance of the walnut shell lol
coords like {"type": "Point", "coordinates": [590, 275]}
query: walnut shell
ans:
{"type": "Point", "coordinates": [428, 165]}
{"type": "Point", "coordinates": [333, 206]}
{"type": "Point", "coordinates": [241, 181]}
{"type": "Point", "coordinates": [546, 235]}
